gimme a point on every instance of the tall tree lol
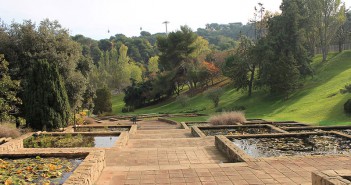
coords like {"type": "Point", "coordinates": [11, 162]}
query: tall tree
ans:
{"type": "Point", "coordinates": [285, 58]}
{"type": "Point", "coordinates": [241, 66]}
{"type": "Point", "coordinates": [46, 102]}
{"type": "Point", "coordinates": [332, 16]}
{"type": "Point", "coordinates": [8, 92]}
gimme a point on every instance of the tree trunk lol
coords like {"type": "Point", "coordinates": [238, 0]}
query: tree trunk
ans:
{"type": "Point", "coordinates": [252, 77]}
{"type": "Point", "coordinates": [341, 48]}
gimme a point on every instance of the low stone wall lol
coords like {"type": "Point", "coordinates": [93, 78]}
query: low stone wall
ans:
{"type": "Point", "coordinates": [88, 172]}
{"type": "Point", "coordinates": [183, 125]}
{"type": "Point", "coordinates": [196, 132]}
{"type": "Point", "coordinates": [168, 121]}
{"type": "Point", "coordinates": [122, 140]}
{"type": "Point", "coordinates": [14, 144]}
{"type": "Point", "coordinates": [133, 129]}
{"type": "Point", "coordinates": [232, 152]}
{"type": "Point", "coordinates": [331, 177]}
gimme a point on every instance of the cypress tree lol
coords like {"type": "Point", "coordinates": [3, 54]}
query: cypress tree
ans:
{"type": "Point", "coordinates": [45, 98]}
{"type": "Point", "coordinates": [102, 101]}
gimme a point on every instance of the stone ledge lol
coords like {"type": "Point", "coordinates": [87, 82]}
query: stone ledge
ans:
{"type": "Point", "coordinates": [168, 121]}
{"type": "Point", "coordinates": [331, 177]}
{"type": "Point", "coordinates": [183, 125]}
{"type": "Point", "coordinates": [88, 172]}
{"type": "Point", "coordinates": [14, 144]}
{"type": "Point", "coordinates": [232, 152]}
{"type": "Point", "coordinates": [133, 129]}
{"type": "Point", "coordinates": [196, 132]}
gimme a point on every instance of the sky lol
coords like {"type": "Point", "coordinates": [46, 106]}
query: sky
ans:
{"type": "Point", "coordinates": [94, 18]}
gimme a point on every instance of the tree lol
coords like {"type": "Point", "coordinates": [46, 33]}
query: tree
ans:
{"type": "Point", "coordinates": [176, 48]}
{"type": "Point", "coordinates": [45, 99]}
{"type": "Point", "coordinates": [214, 95]}
{"type": "Point", "coordinates": [28, 43]}
{"type": "Point", "coordinates": [8, 92]}
{"type": "Point", "coordinates": [153, 66]}
{"type": "Point", "coordinates": [241, 66]}
{"type": "Point", "coordinates": [102, 101]}
{"type": "Point", "coordinates": [332, 16]}
{"type": "Point", "coordinates": [285, 59]}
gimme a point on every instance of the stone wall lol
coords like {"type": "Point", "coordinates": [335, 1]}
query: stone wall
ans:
{"type": "Point", "coordinates": [88, 172]}
{"type": "Point", "coordinates": [14, 144]}
{"type": "Point", "coordinates": [233, 153]}
{"type": "Point", "coordinates": [331, 177]}
{"type": "Point", "coordinates": [196, 132]}
{"type": "Point", "coordinates": [183, 125]}
{"type": "Point", "coordinates": [169, 121]}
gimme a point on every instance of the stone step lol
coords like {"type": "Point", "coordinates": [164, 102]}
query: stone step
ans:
{"type": "Point", "coordinates": [170, 142]}
{"type": "Point", "coordinates": [160, 157]}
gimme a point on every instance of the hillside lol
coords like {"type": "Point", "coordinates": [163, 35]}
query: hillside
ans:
{"type": "Point", "coordinates": [317, 102]}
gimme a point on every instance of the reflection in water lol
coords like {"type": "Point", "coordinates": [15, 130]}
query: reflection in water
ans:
{"type": "Point", "coordinates": [287, 146]}
{"type": "Point", "coordinates": [105, 141]}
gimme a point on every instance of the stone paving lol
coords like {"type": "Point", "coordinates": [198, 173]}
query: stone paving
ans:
{"type": "Point", "coordinates": [159, 153]}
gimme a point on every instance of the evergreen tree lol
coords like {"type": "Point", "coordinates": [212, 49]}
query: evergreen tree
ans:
{"type": "Point", "coordinates": [8, 91]}
{"type": "Point", "coordinates": [285, 57]}
{"type": "Point", "coordinates": [102, 101]}
{"type": "Point", "coordinates": [45, 99]}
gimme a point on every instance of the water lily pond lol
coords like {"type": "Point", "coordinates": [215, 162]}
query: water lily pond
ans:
{"type": "Point", "coordinates": [69, 141]}
{"type": "Point", "coordinates": [241, 130]}
{"type": "Point", "coordinates": [311, 144]}
{"type": "Point", "coordinates": [102, 129]}
{"type": "Point", "coordinates": [37, 170]}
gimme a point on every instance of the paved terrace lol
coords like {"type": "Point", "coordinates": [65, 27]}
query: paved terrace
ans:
{"type": "Point", "coordinates": [160, 153]}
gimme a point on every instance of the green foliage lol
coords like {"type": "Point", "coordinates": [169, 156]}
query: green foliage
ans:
{"type": "Point", "coordinates": [61, 141]}
{"type": "Point", "coordinates": [102, 101]}
{"type": "Point", "coordinates": [214, 95]}
{"type": "Point", "coordinates": [27, 43]}
{"type": "Point", "coordinates": [8, 92]}
{"type": "Point", "coordinates": [285, 59]}
{"type": "Point", "coordinates": [45, 99]}
{"type": "Point", "coordinates": [176, 48]}
{"type": "Point", "coordinates": [183, 100]}
{"type": "Point", "coordinates": [347, 106]}
{"type": "Point", "coordinates": [241, 66]}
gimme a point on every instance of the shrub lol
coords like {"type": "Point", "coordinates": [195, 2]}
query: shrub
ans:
{"type": "Point", "coordinates": [228, 118]}
{"type": "Point", "coordinates": [214, 95]}
{"type": "Point", "coordinates": [127, 109]}
{"type": "Point", "coordinates": [347, 106]}
{"type": "Point", "coordinates": [88, 120]}
{"type": "Point", "coordinates": [183, 100]}
{"type": "Point", "coordinates": [7, 131]}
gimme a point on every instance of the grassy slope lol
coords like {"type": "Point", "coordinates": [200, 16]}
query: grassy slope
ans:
{"type": "Point", "coordinates": [318, 102]}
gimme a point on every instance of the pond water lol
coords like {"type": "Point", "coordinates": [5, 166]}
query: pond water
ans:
{"type": "Point", "coordinates": [100, 129]}
{"type": "Point", "coordinates": [289, 146]}
{"type": "Point", "coordinates": [104, 141]}
{"type": "Point", "coordinates": [69, 141]}
{"type": "Point", "coordinates": [48, 170]}
{"type": "Point", "coordinates": [237, 131]}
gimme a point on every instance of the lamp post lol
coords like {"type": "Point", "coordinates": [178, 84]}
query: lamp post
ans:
{"type": "Point", "coordinates": [166, 22]}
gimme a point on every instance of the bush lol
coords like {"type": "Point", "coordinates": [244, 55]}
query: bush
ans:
{"type": "Point", "coordinates": [228, 118]}
{"type": "Point", "coordinates": [214, 95]}
{"type": "Point", "coordinates": [7, 131]}
{"type": "Point", "coordinates": [88, 120]}
{"type": "Point", "coordinates": [102, 101]}
{"type": "Point", "coordinates": [183, 100]}
{"type": "Point", "coordinates": [347, 106]}
{"type": "Point", "coordinates": [127, 109]}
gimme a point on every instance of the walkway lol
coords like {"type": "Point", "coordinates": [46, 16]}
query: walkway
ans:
{"type": "Point", "coordinates": [159, 153]}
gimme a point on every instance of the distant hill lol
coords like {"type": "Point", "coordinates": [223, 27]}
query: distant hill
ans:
{"type": "Point", "coordinates": [318, 101]}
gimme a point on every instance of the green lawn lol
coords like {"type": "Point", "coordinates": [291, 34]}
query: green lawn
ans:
{"type": "Point", "coordinates": [317, 102]}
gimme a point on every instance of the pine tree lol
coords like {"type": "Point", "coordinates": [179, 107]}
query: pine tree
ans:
{"type": "Point", "coordinates": [45, 98]}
